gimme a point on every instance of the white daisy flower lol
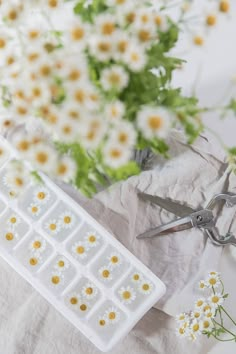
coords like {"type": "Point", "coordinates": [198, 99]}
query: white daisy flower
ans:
{"type": "Point", "coordinates": [115, 155]}
{"type": "Point", "coordinates": [114, 78]}
{"type": "Point", "coordinates": [114, 259]}
{"type": "Point", "coordinates": [105, 24]}
{"type": "Point", "coordinates": [41, 195]}
{"type": "Point", "coordinates": [124, 134]}
{"type": "Point", "coordinates": [182, 331]}
{"type": "Point", "coordinates": [34, 209]}
{"type": "Point", "coordinates": [200, 303]}
{"type": "Point", "coordinates": [92, 238]}
{"type": "Point", "coordinates": [57, 278]}
{"type": "Point", "coordinates": [101, 47]}
{"type": "Point", "coordinates": [127, 294]}
{"type": "Point", "coordinates": [196, 327]}
{"type": "Point", "coordinates": [135, 58]}
{"type": "Point", "coordinates": [210, 314]}
{"type": "Point", "coordinates": [53, 226]}
{"type": "Point", "coordinates": [43, 157]}
{"type": "Point", "coordinates": [16, 179]}
{"type": "Point", "coordinates": [154, 122]}
{"type": "Point", "coordinates": [206, 324]}
{"type": "Point", "coordinates": [197, 314]}
{"type": "Point", "coordinates": [62, 264]}
{"type": "Point", "coordinates": [67, 219]}
{"type": "Point", "coordinates": [66, 169]}
{"type": "Point", "coordinates": [13, 221]}
{"type": "Point", "coordinates": [136, 277]}
{"type": "Point", "coordinates": [73, 300]}
{"type": "Point", "coordinates": [94, 132]}
{"type": "Point", "coordinates": [105, 273]}
{"type": "Point", "coordinates": [79, 249]}
{"type": "Point", "coordinates": [89, 291]}
{"type": "Point", "coordinates": [78, 32]}
{"type": "Point", "coordinates": [112, 315]}
{"type": "Point", "coordinates": [182, 318]}
{"type": "Point", "coordinates": [212, 281]}
{"type": "Point", "coordinates": [38, 245]}
{"type": "Point", "coordinates": [114, 111]}
{"type": "Point", "coordinates": [202, 285]}
{"type": "Point", "coordinates": [216, 300]}
{"type": "Point", "coordinates": [145, 287]}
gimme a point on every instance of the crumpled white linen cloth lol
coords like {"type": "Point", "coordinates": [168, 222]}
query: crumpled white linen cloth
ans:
{"type": "Point", "coordinates": [29, 325]}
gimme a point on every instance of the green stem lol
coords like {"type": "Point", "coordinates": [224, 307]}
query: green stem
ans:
{"type": "Point", "coordinates": [223, 340]}
{"type": "Point", "coordinates": [226, 330]}
{"type": "Point", "coordinates": [222, 308]}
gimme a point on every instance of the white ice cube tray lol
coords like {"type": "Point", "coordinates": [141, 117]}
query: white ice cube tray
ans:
{"type": "Point", "coordinates": [73, 262]}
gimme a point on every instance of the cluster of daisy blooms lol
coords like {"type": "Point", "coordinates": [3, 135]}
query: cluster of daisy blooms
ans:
{"type": "Point", "coordinates": [111, 317]}
{"type": "Point", "coordinates": [83, 298]}
{"type": "Point", "coordinates": [207, 315]}
{"type": "Point", "coordinates": [65, 221]}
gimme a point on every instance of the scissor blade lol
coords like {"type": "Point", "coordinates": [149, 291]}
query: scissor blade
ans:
{"type": "Point", "coordinates": [174, 226]}
{"type": "Point", "coordinates": [167, 204]}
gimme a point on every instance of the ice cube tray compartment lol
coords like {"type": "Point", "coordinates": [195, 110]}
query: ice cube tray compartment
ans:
{"type": "Point", "coordinates": [71, 260]}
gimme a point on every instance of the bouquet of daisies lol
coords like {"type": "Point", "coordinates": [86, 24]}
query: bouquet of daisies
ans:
{"type": "Point", "coordinates": [86, 83]}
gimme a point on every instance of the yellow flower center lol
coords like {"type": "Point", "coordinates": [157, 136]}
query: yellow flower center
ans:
{"type": "Point", "coordinates": [67, 219]}
{"type": "Point", "coordinates": [61, 264]}
{"type": "Point", "coordinates": [106, 273]}
{"type": "Point", "coordinates": [112, 316]}
{"type": "Point", "coordinates": [206, 324]}
{"type": "Point", "coordinates": [52, 227]}
{"type": "Point", "coordinates": [155, 122]}
{"type": "Point", "coordinates": [13, 220]}
{"type": "Point", "coordinates": [83, 307]}
{"type": "Point", "coordinates": [224, 6]}
{"type": "Point", "coordinates": [55, 279]}
{"type": "Point", "coordinates": [198, 40]}
{"type": "Point", "coordinates": [37, 244]}
{"type": "Point", "coordinates": [74, 300]}
{"type": "Point", "coordinates": [114, 259]}
{"type": "Point", "coordinates": [211, 20]}
{"type": "Point", "coordinates": [80, 250]}
{"type": "Point", "coordinates": [215, 299]}
{"type": "Point", "coordinates": [181, 330]}
{"type": "Point", "coordinates": [199, 302]}
{"type": "Point", "coordinates": [92, 239]}
{"type": "Point", "coordinates": [115, 153]}
{"type": "Point", "coordinates": [89, 291]}
{"type": "Point", "coordinates": [41, 195]}
{"type": "Point", "coordinates": [212, 281]}
{"type": "Point", "coordinates": [77, 33]}
{"type": "Point", "coordinates": [196, 327]}
{"type": "Point", "coordinates": [126, 295]}
{"type": "Point", "coordinates": [33, 261]}
{"type": "Point", "coordinates": [102, 323]}
{"type": "Point", "coordinates": [108, 28]}
{"type": "Point", "coordinates": [146, 287]}
{"type": "Point", "coordinates": [136, 277]}
{"type": "Point", "coordinates": [34, 209]}
{"type": "Point", "coordinates": [9, 236]}
{"type": "Point", "coordinates": [42, 157]}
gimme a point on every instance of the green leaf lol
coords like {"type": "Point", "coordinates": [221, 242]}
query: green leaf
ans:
{"type": "Point", "coordinates": [122, 173]}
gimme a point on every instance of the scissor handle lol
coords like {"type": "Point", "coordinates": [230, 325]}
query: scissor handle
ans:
{"type": "Point", "coordinates": [229, 198]}
{"type": "Point", "coordinates": [219, 240]}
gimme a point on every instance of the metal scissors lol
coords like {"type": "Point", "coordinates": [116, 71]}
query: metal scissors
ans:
{"type": "Point", "coordinates": [189, 218]}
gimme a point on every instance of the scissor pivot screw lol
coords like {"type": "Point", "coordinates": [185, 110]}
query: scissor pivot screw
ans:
{"type": "Point", "coordinates": [199, 218]}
